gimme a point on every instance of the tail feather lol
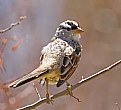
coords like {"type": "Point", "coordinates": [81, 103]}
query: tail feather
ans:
{"type": "Point", "coordinates": [27, 78]}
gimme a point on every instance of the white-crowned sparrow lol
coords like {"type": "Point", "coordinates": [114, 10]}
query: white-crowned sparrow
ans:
{"type": "Point", "coordinates": [59, 58]}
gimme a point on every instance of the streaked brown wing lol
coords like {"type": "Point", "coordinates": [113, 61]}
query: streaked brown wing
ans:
{"type": "Point", "coordinates": [70, 63]}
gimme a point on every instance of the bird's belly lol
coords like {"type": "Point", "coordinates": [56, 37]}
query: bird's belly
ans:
{"type": "Point", "coordinates": [53, 80]}
{"type": "Point", "coordinates": [53, 77]}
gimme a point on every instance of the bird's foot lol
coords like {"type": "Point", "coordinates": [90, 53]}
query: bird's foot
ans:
{"type": "Point", "coordinates": [49, 100]}
{"type": "Point", "coordinates": [70, 92]}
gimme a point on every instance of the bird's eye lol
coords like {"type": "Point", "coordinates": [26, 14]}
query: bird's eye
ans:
{"type": "Point", "coordinates": [68, 29]}
{"type": "Point", "coordinates": [74, 27]}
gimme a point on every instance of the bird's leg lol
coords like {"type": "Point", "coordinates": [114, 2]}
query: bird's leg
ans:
{"type": "Point", "coordinates": [69, 89]}
{"type": "Point", "coordinates": [47, 93]}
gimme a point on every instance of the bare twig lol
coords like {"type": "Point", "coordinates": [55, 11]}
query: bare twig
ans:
{"type": "Point", "coordinates": [117, 106]}
{"type": "Point", "coordinates": [3, 42]}
{"type": "Point", "coordinates": [37, 91]}
{"type": "Point", "coordinates": [13, 25]}
{"type": "Point", "coordinates": [65, 92]}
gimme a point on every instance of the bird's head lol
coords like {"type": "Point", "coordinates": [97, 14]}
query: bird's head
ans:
{"type": "Point", "coordinates": [70, 29]}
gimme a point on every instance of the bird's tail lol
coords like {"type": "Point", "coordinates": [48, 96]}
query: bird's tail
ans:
{"type": "Point", "coordinates": [27, 78]}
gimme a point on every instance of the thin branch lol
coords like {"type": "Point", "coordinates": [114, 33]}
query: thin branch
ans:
{"type": "Point", "coordinates": [117, 106]}
{"type": "Point", "coordinates": [37, 91]}
{"type": "Point", "coordinates": [13, 25]}
{"type": "Point", "coordinates": [3, 42]}
{"type": "Point", "coordinates": [65, 92]}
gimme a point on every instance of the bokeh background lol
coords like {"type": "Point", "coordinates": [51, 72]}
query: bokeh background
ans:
{"type": "Point", "coordinates": [101, 20]}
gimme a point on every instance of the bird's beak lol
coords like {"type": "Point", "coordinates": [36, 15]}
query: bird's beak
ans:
{"type": "Point", "coordinates": [79, 30]}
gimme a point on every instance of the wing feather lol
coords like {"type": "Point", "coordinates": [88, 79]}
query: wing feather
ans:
{"type": "Point", "coordinates": [28, 77]}
{"type": "Point", "coordinates": [67, 69]}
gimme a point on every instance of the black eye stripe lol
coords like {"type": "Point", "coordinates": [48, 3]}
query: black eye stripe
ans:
{"type": "Point", "coordinates": [62, 27]}
{"type": "Point", "coordinates": [73, 26]}
{"type": "Point", "coordinates": [70, 23]}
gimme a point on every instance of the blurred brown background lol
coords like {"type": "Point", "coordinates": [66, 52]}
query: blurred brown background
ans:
{"type": "Point", "coordinates": [101, 20]}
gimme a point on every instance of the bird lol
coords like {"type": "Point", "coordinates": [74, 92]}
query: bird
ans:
{"type": "Point", "coordinates": [59, 58]}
